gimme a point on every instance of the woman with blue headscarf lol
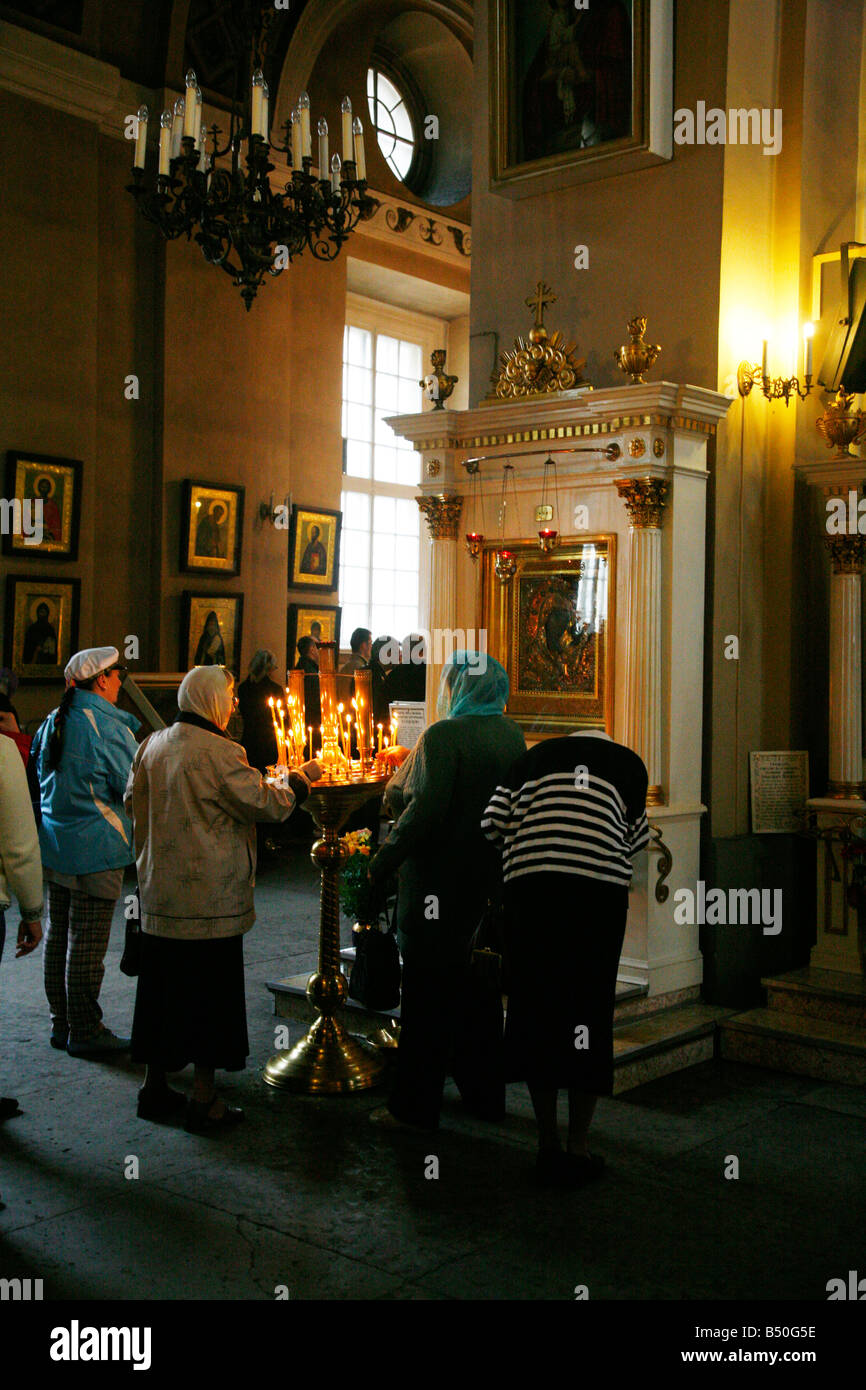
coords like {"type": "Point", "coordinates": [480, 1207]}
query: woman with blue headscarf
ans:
{"type": "Point", "coordinates": [446, 872]}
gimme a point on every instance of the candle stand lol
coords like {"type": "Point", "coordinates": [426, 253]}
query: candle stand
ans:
{"type": "Point", "coordinates": [330, 1060]}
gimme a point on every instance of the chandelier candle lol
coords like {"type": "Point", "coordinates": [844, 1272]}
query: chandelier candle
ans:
{"type": "Point", "coordinates": [323, 148]}
{"type": "Point", "coordinates": [164, 144]}
{"type": "Point", "coordinates": [297, 160]}
{"type": "Point", "coordinates": [177, 127]}
{"type": "Point", "coordinates": [256, 127]}
{"type": "Point", "coordinates": [336, 166]}
{"type": "Point", "coordinates": [266, 111]}
{"type": "Point", "coordinates": [189, 125]}
{"type": "Point", "coordinates": [360, 156]}
{"type": "Point", "coordinates": [306, 139]}
{"type": "Point", "coordinates": [141, 137]}
{"type": "Point", "coordinates": [348, 134]}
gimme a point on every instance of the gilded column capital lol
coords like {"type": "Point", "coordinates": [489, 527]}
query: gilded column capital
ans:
{"type": "Point", "coordinates": [644, 500]}
{"type": "Point", "coordinates": [847, 553]}
{"type": "Point", "coordinates": [443, 515]}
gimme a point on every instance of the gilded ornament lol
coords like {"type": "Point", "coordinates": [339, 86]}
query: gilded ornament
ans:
{"type": "Point", "coordinates": [636, 357]}
{"type": "Point", "coordinates": [443, 515]}
{"type": "Point", "coordinates": [659, 448]}
{"type": "Point", "coordinates": [637, 448]}
{"type": "Point", "coordinates": [438, 385]}
{"type": "Point", "coordinates": [644, 500]}
{"type": "Point", "coordinates": [847, 553]}
{"type": "Point", "coordinates": [434, 468]}
{"type": "Point", "coordinates": [840, 426]}
{"type": "Point", "coordinates": [540, 365]}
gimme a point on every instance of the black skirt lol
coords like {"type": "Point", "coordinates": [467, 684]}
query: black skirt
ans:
{"type": "Point", "coordinates": [564, 936]}
{"type": "Point", "coordinates": [190, 1004]}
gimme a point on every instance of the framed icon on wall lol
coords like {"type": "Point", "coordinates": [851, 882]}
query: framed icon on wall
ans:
{"type": "Point", "coordinates": [44, 494]}
{"type": "Point", "coordinates": [211, 628]}
{"type": "Point", "coordinates": [211, 528]}
{"type": "Point", "coordinates": [41, 626]}
{"type": "Point", "coordinates": [314, 548]}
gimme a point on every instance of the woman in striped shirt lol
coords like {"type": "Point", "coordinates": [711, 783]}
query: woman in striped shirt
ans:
{"type": "Point", "coordinates": [568, 819]}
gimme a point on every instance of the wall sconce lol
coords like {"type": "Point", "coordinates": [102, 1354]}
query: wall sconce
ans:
{"type": "Point", "coordinates": [268, 512]}
{"type": "Point", "coordinates": [779, 387]}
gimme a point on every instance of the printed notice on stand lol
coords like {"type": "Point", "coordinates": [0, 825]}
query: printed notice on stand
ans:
{"type": "Point", "coordinates": [411, 720]}
{"type": "Point", "coordinates": [780, 786]}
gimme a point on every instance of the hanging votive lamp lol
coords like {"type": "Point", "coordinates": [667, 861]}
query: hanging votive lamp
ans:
{"type": "Point", "coordinates": [548, 512]}
{"type": "Point", "coordinates": [475, 538]}
{"type": "Point", "coordinates": [505, 563]}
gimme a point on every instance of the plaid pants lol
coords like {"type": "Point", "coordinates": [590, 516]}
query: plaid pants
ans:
{"type": "Point", "coordinates": [76, 940]}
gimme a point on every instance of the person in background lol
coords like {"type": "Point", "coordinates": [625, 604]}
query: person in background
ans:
{"type": "Point", "coordinates": [381, 653]}
{"type": "Point", "coordinates": [361, 643]}
{"type": "Point", "coordinates": [258, 740]}
{"type": "Point", "coordinates": [308, 651]}
{"type": "Point", "coordinates": [568, 819]}
{"type": "Point", "coordinates": [408, 681]}
{"type": "Point", "coordinates": [9, 725]}
{"type": "Point", "coordinates": [20, 867]}
{"type": "Point", "coordinates": [82, 753]}
{"type": "Point", "coordinates": [194, 802]}
{"type": "Point", "coordinates": [446, 874]}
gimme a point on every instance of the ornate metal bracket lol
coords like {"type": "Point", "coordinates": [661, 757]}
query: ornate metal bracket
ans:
{"type": "Point", "coordinates": [666, 863]}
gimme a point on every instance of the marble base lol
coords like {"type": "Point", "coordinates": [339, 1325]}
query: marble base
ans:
{"type": "Point", "coordinates": [832, 995]}
{"type": "Point", "coordinates": [795, 1043]}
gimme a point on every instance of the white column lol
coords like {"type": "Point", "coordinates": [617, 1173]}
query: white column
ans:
{"type": "Point", "coordinates": [645, 501]}
{"type": "Point", "coordinates": [846, 692]}
{"type": "Point", "coordinates": [443, 519]}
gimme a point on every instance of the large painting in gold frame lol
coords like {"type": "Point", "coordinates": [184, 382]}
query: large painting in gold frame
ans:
{"type": "Point", "coordinates": [552, 627]}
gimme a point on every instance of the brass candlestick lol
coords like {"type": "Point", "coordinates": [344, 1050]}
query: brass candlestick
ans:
{"type": "Point", "coordinates": [330, 1060]}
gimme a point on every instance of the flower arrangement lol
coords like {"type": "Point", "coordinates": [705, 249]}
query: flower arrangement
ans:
{"type": "Point", "coordinates": [353, 873]}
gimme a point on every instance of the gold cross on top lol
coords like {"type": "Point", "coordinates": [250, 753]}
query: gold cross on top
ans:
{"type": "Point", "coordinates": [543, 296]}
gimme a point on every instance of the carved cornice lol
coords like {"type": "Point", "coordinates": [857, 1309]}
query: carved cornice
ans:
{"type": "Point", "coordinates": [644, 500]}
{"type": "Point", "coordinates": [443, 515]}
{"type": "Point", "coordinates": [409, 225]}
{"type": "Point", "coordinates": [847, 553]}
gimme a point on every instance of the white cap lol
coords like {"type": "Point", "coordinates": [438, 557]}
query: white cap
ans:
{"type": "Point", "coordinates": [83, 666]}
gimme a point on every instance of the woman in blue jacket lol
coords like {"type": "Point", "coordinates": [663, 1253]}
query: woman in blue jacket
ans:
{"type": "Point", "coordinates": [83, 752]}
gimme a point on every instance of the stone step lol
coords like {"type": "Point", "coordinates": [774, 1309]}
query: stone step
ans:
{"type": "Point", "coordinates": [814, 993]}
{"type": "Point", "coordinates": [791, 1042]}
{"type": "Point", "coordinates": [645, 1048]}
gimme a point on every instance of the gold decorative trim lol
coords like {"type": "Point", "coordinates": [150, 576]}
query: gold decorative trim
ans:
{"type": "Point", "coordinates": [659, 448]}
{"type": "Point", "coordinates": [847, 791]}
{"type": "Point", "coordinates": [655, 797]}
{"type": "Point", "coordinates": [847, 553]}
{"type": "Point", "coordinates": [534, 434]}
{"type": "Point", "coordinates": [442, 514]}
{"type": "Point", "coordinates": [636, 448]}
{"type": "Point", "coordinates": [645, 502]}
{"type": "Point", "coordinates": [540, 365]}
{"type": "Point", "coordinates": [434, 468]}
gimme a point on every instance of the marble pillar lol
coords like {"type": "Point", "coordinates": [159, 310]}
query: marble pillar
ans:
{"type": "Point", "coordinates": [644, 499]}
{"type": "Point", "coordinates": [846, 690]}
{"type": "Point", "coordinates": [442, 513]}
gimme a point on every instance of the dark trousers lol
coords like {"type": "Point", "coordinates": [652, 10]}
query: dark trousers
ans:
{"type": "Point", "coordinates": [73, 958]}
{"type": "Point", "coordinates": [446, 1028]}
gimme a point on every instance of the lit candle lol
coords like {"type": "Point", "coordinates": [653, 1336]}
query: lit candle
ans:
{"type": "Point", "coordinates": [348, 141]}
{"type": "Point", "coordinates": [141, 138]}
{"type": "Point", "coordinates": [336, 166]}
{"type": "Point", "coordinates": [323, 148]}
{"type": "Point", "coordinates": [177, 127]}
{"type": "Point", "coordinates": [266, 111]}
{"type": "Point", "coordinates": [379, 727]}
{"type": "Point", "coordinates": [808, 334]}
{"type": "Point", "coordinates": [310, 732]}
{"type": "Point", "coordinates": [764, 361]}
{"type": "Point", "coordinates": [258, 98]}
{"type": "Point", "coordinates": [360, 157]}
{"type": "Point", "coordinates": [306, 138]}
{"type": "Point", "coordinates": [189, 126]}
{"type": "Point", "coordinates": [296, 139]}
{"type": "Point", "coordinates": [164, 142]}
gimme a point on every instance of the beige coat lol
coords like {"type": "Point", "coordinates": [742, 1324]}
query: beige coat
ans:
{"type": "Point", "coordinates": [20, 860]}
{"type": "Point", "coordinates": [194, 801]}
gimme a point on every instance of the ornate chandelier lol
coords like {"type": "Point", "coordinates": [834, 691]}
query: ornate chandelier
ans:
{"type": "Point", "coordinates": [243, 225]}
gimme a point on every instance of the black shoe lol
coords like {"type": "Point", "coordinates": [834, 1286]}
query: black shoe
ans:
{"type": "Point", "coordinates": [59, 1040]}
{"type": "Point", "coordinates": [9, 1108]}
{"type": "Point", "coordinates": [200, 1121]}
{"type": "Point", "coordinates": [102, 1044]}
{"type": "Point", "coordinates": [159, 1104]}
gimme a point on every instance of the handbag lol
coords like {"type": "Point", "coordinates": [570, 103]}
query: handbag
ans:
{"type": "Point", "coordinates": [374, 979]}
{"type": "Point", "coordinates": [130, 961]}
{"type": "Point", "coordinates": [486, 949]}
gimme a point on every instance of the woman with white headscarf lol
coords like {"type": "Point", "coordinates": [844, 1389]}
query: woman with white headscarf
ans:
{"type": "Point", "coordinates": [194, 801]}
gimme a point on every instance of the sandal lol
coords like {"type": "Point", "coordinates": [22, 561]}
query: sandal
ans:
{"type": "Point", "coordinates": [199, 1120]}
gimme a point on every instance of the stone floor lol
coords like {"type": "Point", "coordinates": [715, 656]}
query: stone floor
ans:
{"type": "Point", "coordinates": [308, 1196]}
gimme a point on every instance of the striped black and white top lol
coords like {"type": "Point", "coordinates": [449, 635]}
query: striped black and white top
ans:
{"type": "Point", "coordinates": [574, 805]}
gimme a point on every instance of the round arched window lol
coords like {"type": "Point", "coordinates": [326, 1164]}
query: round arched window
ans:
{"type": "Point", "coordinates": [392, 122]}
